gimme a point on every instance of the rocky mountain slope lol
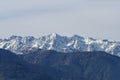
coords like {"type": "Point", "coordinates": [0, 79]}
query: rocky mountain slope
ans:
{"type": "Point", "coordinates": [59, 43]}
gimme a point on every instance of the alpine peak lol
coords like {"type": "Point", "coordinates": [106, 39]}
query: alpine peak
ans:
{"type": "Point", "coordinates": [59, 43]}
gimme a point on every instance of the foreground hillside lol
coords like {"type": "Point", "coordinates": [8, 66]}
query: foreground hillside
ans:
{"type": "Point", "coordinates": [52, 65]}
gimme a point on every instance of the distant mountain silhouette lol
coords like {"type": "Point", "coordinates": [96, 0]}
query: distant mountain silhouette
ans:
{"type": "Point", "coordinates": [52, 65]}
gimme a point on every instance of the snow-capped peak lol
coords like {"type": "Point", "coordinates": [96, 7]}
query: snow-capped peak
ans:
{"type": "Point", "coordinates": [53, 35]}
{"type": "Point", "coordinates": [59, 43]}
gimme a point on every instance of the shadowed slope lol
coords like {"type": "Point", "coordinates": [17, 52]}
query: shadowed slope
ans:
{"type": "Point", "coordinates": [52, 65]}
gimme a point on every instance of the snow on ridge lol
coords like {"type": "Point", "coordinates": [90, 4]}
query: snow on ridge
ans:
{"type": "Point", "coordinates": [59, 43]}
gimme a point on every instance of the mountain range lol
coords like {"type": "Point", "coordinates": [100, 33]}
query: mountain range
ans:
{"type": "Point", "coordinates": [18, 44]}
{"type": "Point", "coordinates": [56, 57]}
{"type": "Point", "coordinates": [52, 65]}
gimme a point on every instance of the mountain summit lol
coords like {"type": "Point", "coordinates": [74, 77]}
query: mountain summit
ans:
{"type": "Point", "coordinates": [59, 43]}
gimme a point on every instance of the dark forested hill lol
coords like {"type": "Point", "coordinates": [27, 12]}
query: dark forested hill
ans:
{"type": "Point", "coordinates": [52, 65]}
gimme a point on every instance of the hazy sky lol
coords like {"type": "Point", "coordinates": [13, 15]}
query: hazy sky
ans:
{"type": "Point", "coordinates": [94, 18]}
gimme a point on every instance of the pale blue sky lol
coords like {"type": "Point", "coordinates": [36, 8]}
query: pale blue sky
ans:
{"type": "Point", "coordinates": [90, 18]}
